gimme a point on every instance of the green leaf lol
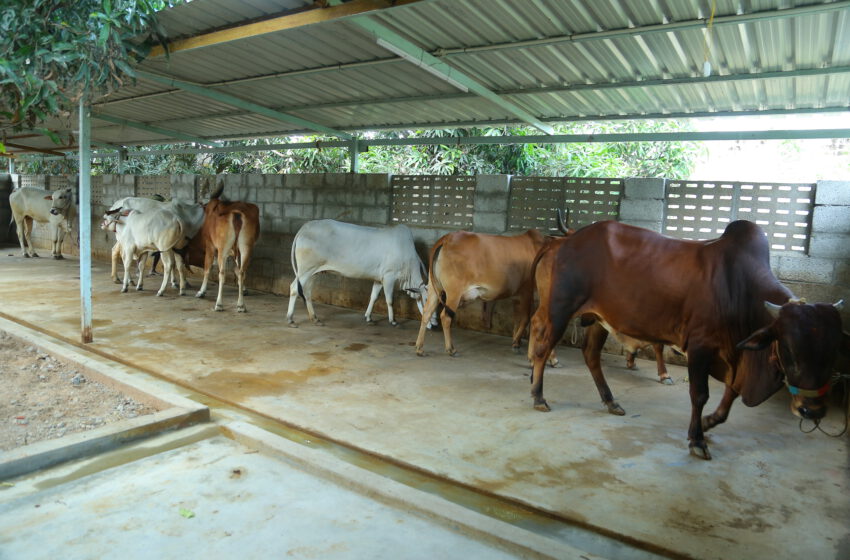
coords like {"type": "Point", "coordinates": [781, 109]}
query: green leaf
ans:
{"type": "Point", "coordinates": [188, 514]}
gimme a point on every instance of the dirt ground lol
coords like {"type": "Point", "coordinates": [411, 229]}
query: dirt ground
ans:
{"type": "Point", "coordinates": [44, 398]}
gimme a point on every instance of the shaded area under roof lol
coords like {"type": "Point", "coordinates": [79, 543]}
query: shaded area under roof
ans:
{"type": "Point", "coordinates": [284, 67]}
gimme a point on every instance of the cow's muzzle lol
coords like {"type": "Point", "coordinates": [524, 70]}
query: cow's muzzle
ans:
{"type": "Point", "coordinates": [54, 211]}
{"type": "Point", "coordinates": [810, 409]}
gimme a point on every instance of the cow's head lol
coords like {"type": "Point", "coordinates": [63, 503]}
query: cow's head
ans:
{"type": "Point", "coordinates": [805, 340]}
{"type": "Point", "coordinates": [61, 199]}
{"type": "Point", "coordinates": [111, 218]}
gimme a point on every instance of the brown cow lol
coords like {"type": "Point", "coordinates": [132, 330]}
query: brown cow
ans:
{"type": "Point", "coordinates": [466, 266]}
{"type": "Point", "coordinates": [707, 298]}
{"type": "Point", "coordinates": [230, 228]}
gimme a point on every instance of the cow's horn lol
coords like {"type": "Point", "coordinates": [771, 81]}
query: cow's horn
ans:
{"type": "Point", "coordinates": [839, 305]}
{"type": "Point", "coordinates": [218, 190]}
{"type": "Point", "coordinates": [772, 308]}
{"type": "Point", "coordinates": [562, 223]}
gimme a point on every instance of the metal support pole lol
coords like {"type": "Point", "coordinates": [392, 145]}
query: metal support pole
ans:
{"type": "Point", "coordinates": [85, 221]}
{"type": "Point", "coordinates": [354, 155]}
{"type": "Point", "coordinates": [122, 159]}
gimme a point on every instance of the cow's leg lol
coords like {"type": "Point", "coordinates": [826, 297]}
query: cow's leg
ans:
{"type": "Point", "coordinates": [293, 296]}
{"type": "Point", "coordinates": [722, 413]}
{"type": "Point", "coordinates": [432, 300]}
{"type": "Point", "coordinates": [594, 341]}
{"type": "Point", "coordinates": [140, 270]}
{"type": "Point", "coordinates": [208, 259]}
{"type": "Point", "coordinates": [307, 288]}
{"type": "Point", "coordinates": [126, 260]}
{"type": "Point", "coordinates": [699, 365]}
{"type": "Point", "coordinates": [20, 224]}
{"type": "Point", "coordinates": [661, 367]}
{"type": "Point", "coordinates": [116, 254]}
{"type": "Point", "coordinates": [222, 274]}
{"type": "Point", "coordinates": [240, 285]}
{"type": "Point", "coordinates": [167, 258]}
{"type": "Point", "coordinates": [178, 260]}
{"type": "Point", "coordinates": [522, 314]}
{"type": "Point", "coordinates": [389, 284]}
{"type": "Point", "coordinates": [28, 225]}
{"type": "Point", "coordinates": [57, 236]}
{"type": "Point", "coordinates": [446, 318]}
{"type": "Point", "coordinates": [156, 258]}
{"type": "Point", "coordinates": [544, 335]}
{"type": "Point", "coordinates": [376, 290]}
{"type": "Point", "coordinates": [243, 260]}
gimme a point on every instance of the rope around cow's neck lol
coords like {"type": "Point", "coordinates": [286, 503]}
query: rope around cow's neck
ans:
{"type": "Point", "coordinates": [843, 378]}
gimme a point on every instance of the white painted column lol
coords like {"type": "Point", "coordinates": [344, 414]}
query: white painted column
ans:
{"type": "Point", "coordinates": [85, 222]}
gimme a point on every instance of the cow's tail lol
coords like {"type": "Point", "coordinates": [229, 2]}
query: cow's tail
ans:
{"type": "Point", "coordinates": [292, 261]}
{"type": "Point", "coordinates": [438, 288]}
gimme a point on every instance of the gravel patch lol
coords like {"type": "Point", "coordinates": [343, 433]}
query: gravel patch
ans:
{"type": "Point", "coordinates": [43, 398]}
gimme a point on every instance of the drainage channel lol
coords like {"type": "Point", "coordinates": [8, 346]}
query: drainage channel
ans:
{"type": "Point", "coordinates": [594, 540]}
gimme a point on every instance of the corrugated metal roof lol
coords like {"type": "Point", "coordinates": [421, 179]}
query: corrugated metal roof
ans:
{"type": "Point", "coordinates": [557, 60]}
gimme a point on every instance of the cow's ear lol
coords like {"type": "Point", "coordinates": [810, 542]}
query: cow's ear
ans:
{"type": "Point", "coordinates": [759, 340]}
{"type": "Point", "coordinates": [48, 197]}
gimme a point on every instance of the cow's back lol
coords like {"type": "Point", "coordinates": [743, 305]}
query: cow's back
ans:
{"type": "Point", "coordinates": [30, 201]}
{"type": "Point", "coordinates": [653, 287]}
{"type": "Point", "coordinates": [500, 263]}
{"type": "Point", "coordinates": [354, 250]}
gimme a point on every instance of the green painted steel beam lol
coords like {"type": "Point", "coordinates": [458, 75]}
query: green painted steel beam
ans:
{"type": "Point", "coordinates": [240, 103]}
{"type": "Point", "coordinates": [176, 134]}
{"type": "Point", "coordinates": [412, 53]}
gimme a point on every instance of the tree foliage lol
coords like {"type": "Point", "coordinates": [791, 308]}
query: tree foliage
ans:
{"type": "Point", "coordinates": [673, 160]}
{"type": "Point", "coordinates": [55, 51]}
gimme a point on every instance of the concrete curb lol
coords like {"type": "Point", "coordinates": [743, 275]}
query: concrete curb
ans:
{"type": "Point", "coordinates": [524, 544]}
{"type": "Point", "coordinates": [178, 412]}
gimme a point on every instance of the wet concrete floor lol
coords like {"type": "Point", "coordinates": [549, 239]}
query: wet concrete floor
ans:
{"type": "Point", "coordinates": [771, 490]}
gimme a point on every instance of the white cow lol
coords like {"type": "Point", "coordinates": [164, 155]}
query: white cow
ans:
{"type": "Point", "coordinates": [383, 255]}
{"type": "Point", "coordinates": [192, 215]}
{"type": "Point", "coordinates": [54, 208]}
{"type": "Point", "coordinates": [140, 232]}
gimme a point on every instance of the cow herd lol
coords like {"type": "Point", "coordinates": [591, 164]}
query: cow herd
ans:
{"type": "Point", "coordinates": [716, 301]}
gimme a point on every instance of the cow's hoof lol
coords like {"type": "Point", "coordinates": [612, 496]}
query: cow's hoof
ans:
{"type": "Point", "coordinates": [394, 323]}
{"type": "Point", "coordinates": [451, 352]}
{"type": "Point", "coordinates": [218, 308]}
{"type": "Point", "coordinates": [420, 352]}
{"type": "Point", "coordinates": [138, 288]}
{"type": "Point", "coordinates": [200, 294]}
{"type": "Point", "coordinates": [666, 380]}
{"type": "Point", "coordinates": [241, 309]}
{"type": "Point", "coordinates": [26, 256]}
{"type": "Point", "coordinates": [370, 322]}
{"type": "Point", "coordinates": [181, 293]}
{"type": "Point", "coordinates": [117, 281]}
{"type": "Point", "coordinates": [542, 406]}
{"type": "Point", "coordinates": [700, 450]}
{"type": "Point", "coordinates": [160, 294]}
{"type": "Point", "coordinates": [554, 363]}
{"type": "Point", "coordinates": [318, 323]}
{"type": "Point", "coordinates": [59, 257]}
{"type": "Point", "coordinates": [123, 290]}
{"type": "Point", "coordinates": [292, 325]}
{"type": "Point", "coordinates": [615, 408]}
{"type": "Point", "coordinates": [35, 255]}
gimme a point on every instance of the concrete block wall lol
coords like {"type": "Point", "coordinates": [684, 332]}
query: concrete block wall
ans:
{"type": "Point", "coordinates": [287, 201]}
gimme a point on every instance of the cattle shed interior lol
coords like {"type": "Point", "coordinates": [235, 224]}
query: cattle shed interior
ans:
{"type": "Point", "coordinates": [342, 68]}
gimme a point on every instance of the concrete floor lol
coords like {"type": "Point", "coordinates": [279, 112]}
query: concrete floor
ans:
{"type": "Point", "coordinates": [771, 491]}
